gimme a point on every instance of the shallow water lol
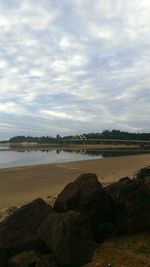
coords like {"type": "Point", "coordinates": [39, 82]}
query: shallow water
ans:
{"type": "Point", "coordinates": [19, 157]}
{"type": "Point", "coordinates": [24, 158]}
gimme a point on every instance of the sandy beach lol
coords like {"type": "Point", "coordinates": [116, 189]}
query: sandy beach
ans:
{"type": "Point", "coordinates": [21, 185]}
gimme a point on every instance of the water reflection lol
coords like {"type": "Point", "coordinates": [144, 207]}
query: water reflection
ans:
{"type": "Point", "coordinates": [24, 157]}
{"type": "Point", "coordinates": [107, 153]}
{"type": "Point", "coordinates": [112, 153]}
{"type": "Point", "coordinates": [94, 153]}
{"type": "Point", "coordinates": [4, 146]}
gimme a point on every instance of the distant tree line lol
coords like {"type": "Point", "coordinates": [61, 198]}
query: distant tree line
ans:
{"type": "Point", "coordinates": [107, 134]}
{"type": "Point", "coordinates": [117, 134]}
{"type": "Point", "coordinates": [31, 139]}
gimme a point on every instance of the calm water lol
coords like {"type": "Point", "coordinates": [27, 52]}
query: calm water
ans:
{"type": "Point", "coordinates": [23, 158]}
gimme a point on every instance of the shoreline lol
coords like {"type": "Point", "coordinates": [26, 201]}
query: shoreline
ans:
{"type": "Point", "coordinates": [78, 161]}
{"type": "Point", "coordinates": [115, 151]}
{"type": "Point", "coordinates": [20, 185]}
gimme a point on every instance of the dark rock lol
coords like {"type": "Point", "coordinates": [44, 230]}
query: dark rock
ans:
{"type": "Point", "coordinates": [132, 199]}
{"type": "Point", "coordinates": [124, 180]}
{"type": "Point", "coordinates": [3, 257]}
{"type": "Point", "coordinates": [46, 261]}
{"type": "Point", "coordinates": [79, 195]}
{"type": "Point", "coordinates": [24, 259]}
{"type": "Point", "coordinates": [68, 235]}
{"type": "Point", "coordinates": [19, 231]}
{"type": "Point", "coordinates": [11, 210]}
{"type": "Point", "coordinates": [87, 196]}
{"type": "Point", "coordinates": [104, 231]}
{"type": "Point", "coordinates": [115, 189]}
{"type": "Point", "coordinates": [143, 173]}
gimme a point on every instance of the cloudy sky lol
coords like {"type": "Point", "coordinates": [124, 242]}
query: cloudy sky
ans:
{"type": "Point", "coordinates": [74, 66]}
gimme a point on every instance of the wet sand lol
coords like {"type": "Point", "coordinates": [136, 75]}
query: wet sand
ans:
{"type": "Point", "coordinates": [23, 184]}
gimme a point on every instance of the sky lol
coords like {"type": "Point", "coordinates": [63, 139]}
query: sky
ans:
{"type": "Point", "coordinates": [74, 66]}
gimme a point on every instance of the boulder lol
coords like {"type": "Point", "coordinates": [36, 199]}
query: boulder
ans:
{"type": "Point", "coordinates": [103, 231]}
{"type": "Point", "coordinates": [69, 237]}
{"type": "Point", "coordinates": [3, 257]}
{"type": "Point", "coordinates": [87, 196]}
{"type": "Point", "coordinates": [143, 173]}
{"type": "Point", "coordinates": [24, 259]}
{"type": "Point", "coordinates": [46, 261]}
{"type": "Point", "coordinates": [132, 197]}
{"type": "Point", "coordinates": [19, 231]}
{"type": "Point", "coordinates": [115, 189]}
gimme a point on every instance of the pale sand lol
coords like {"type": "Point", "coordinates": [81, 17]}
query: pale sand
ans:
{"type": "Point", "coordinates": [22, 184]}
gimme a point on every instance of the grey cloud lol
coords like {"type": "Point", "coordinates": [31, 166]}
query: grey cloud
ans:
{"type": "Point", "coordinates": [80, 62]}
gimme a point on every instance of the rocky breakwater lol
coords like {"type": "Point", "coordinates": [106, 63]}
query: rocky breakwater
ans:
{"type": "Point", "coordinates": [132, 199]}
{"type": "Point", "coordinates": [84, 213]}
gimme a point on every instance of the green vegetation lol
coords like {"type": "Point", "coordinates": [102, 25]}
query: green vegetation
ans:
{"type": "Point", "coordinates": [30, 139]}
{"type": "Point", "coordinates": [114, 134]}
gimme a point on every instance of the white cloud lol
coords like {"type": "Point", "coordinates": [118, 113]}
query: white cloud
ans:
{"type": "Point", "coordinates": [54, 114]}
{"type": "Point", "coordinates": [3, 64]}
{"type": "Point", "coordinates": [12, 108]}
{"type": "Point", "coordinates": [68, 42]}
{"type": "Point", "coordinates": [79, 61]}
{"type": "Point", "coordinates": [57, 114]}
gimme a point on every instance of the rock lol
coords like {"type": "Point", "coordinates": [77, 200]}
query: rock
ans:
{"type": "Point", "coordinates": [3, 258]}
{"type": "Point", "coordinates": [115, 189]}
{"type": "Point", "coordinates": [143, 173]}
{"type": "Point", "coordinates": [132, 197]}
{"type": "Point", "coordinates": [87, 196]}
{"type": "Point", "coordinates": [24, 259]}
{"type": "Point", "coordinates": [68, 235]}
{"type": "Point", "coordinates": [104, 231]}
{"type": "Point", "coordinates": [18, 232]}
{"type": "Point", "coordinates": [79, 195]}
{"type": "Point", "coordinates": [124, 180]}
{"type": "Point", "coordinates": [10, 210]}
{"type": "Point", "coordinates": [46, 261]}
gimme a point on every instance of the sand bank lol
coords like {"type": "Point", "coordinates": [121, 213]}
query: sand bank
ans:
{"type": "Point", "coordinates": [22, 184]}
